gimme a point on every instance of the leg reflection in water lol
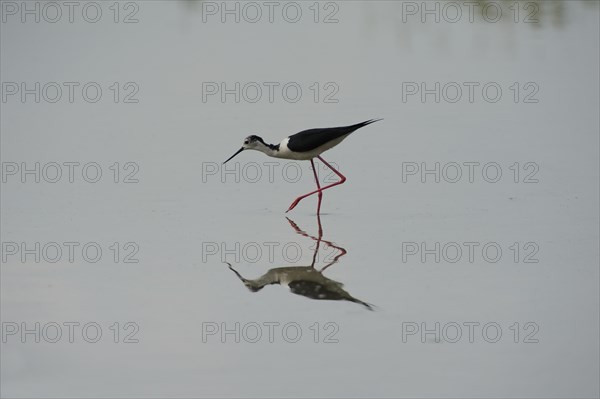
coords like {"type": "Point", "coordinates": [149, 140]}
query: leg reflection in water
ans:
{"type": "Point", "coordinates": [305, 280]}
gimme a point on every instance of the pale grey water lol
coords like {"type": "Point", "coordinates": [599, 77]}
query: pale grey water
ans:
{"type": "Point", "coordinates": [185, 221]}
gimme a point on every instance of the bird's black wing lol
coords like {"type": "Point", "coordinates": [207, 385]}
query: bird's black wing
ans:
{"type": "Point", "coordinates": [308, 140]}
{"type": "Point", "coordinates": [332, 292]}
{"type": "Point", "coordinates": [316, 290]}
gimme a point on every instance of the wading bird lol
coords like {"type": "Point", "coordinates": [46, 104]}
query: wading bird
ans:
{"type": "Point", "coordinates": [305, 145]}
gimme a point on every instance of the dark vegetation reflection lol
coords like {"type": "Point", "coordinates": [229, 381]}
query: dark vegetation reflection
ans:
{"type": "Point", "coordinates": [307, 281]}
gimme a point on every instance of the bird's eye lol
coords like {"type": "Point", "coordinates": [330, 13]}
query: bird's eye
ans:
{"type": "Point", "coordinates": [245, 141]}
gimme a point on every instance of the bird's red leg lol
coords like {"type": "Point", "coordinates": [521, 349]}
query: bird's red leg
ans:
{"type": "Point", "coordinates": [319, 190]}
{"type": "Point", "coordinates": [318, 186]}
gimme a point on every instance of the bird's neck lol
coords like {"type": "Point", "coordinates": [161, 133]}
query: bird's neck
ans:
{"type": "Point", "coordinates": [260, 282]}
{"type": "Point", "coordinates": [271, 150]}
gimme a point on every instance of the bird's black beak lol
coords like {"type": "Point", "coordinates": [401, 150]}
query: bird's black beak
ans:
{"type": "Point", "coordinates": [238, 151]}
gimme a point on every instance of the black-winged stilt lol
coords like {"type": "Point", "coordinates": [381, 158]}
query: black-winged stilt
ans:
{"type": "Point", "coordinates": [305, 145]}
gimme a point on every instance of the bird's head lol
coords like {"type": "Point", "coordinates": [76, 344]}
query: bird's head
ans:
{"type": "Point", "coordinates": [252, 286]}
{"type": "Point", "coordinates": [250, 143]}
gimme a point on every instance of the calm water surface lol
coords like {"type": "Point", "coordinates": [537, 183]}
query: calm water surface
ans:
{"type": "Point", "coordinates": [444, 290]}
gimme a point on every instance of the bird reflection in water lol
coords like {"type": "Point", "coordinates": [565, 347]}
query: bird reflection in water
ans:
{"type": "Point", "coordinates": [305, 280]}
